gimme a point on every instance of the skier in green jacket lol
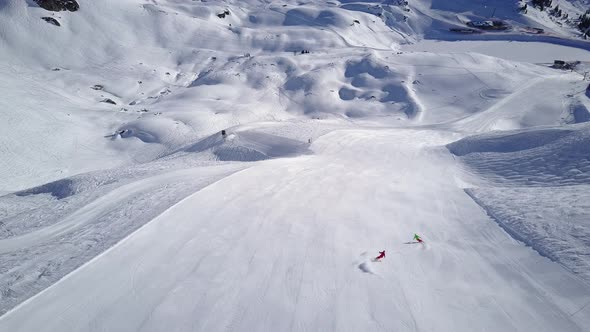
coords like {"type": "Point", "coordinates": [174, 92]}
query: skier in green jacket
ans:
{"type": "Point", "coordinates": [417, 238]}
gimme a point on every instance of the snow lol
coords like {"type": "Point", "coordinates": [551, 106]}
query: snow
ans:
{"type": "Point", "coordinates": [257, 257]}
{"type": "Point", "coordinates": [539, 180]}
{"type": "Point", "coordinates": [141, 216]}
{"type": "Point", "coordinates": [535, 52]}
{"type": "Point", "coordinates": [249, 146]}
{"type": "Point", "coordinates": [51, 230]}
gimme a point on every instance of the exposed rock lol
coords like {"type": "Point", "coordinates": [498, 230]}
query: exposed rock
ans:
{"type": "Point", "coordinates": [109, 101]}
{"type": "Point", "coordinates": [97, 87]}
{"type": "Point", "coordinates": [58, 5]}
{"type": "Point", "coordinates": [51, 20]}
{"type": "Point", "coordinates": [224, 14]}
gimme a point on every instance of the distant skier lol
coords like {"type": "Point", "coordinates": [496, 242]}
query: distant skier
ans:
{"type": "Point", "coordinates": [417, 238]}
{"type": "Point", "coordinates": [381, 255]}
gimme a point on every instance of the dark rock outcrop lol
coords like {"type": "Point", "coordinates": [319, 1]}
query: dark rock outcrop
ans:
{"type": "Point", "coordinates": [224, 14]}
{"type": "Point", "coordinates": [58, 5]}
{"type": "Point", "coordinates": [51, 20]}
{"type": "Point", "coordinates": [109, 101]}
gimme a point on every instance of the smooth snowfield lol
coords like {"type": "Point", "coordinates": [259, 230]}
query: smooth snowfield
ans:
{"type": "Point", "coordinates": [535, 52]}
{"type": "Point", "coordinates": [271, 248]}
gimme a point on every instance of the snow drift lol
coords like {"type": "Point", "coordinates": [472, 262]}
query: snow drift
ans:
{"type": "Point", "coordinates": [535, 157]}
{"type": "Point", "coordinates": [249, 146]}
{"type": "Point", "coordinates": [535, 186]}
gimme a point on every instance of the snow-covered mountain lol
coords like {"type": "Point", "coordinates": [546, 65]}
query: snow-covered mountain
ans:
{"type": "Point", "coordinates": [236, 165]}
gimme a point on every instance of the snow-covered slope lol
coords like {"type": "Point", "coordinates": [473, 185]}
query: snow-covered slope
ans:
{"type": "Point", "coordinates": [287, 245]}
{"type": "Point", "coordinates": [538, 187]}
{"type": "Point", "coordinates": [123, 207]}
{"type": "Point", "coordinates": [177, 72]}
{"type": "Point", "coordinates": [173, 59]}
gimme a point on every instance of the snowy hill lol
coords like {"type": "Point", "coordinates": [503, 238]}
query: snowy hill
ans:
{"type": "Point", "coordinates": [348, 126]}
{"type": "Point", "coordinates": [179, 61]}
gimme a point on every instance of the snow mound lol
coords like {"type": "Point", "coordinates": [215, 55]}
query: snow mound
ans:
{"type": "Point", "coordinates": [370, 80]}
{"type": "Point", "coordinates": [502, 142]}
{"type": "Point", "coordinates": [539, 157]}
{"type": "Point", "coordinates": [59, 189]}
{"type": "Point", "coordinates": [554, 221]}
{"type": "Point", "coordinates": [535, 186]}
{"type": "Point", "coordinates": [249, 146]}
{"type": "Point", "coordinates": [361, 87]}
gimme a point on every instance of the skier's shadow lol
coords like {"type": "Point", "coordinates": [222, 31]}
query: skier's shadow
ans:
{"type": "Point", "coordinates": [365, 264]}
{"type": "Point", "coordinates": [366, 268]}
{"type": "Point", "coordinates": [413, 242]}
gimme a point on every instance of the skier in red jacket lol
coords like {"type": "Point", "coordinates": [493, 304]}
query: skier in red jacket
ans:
{"type": "Point", "coordinates": [381, 255]}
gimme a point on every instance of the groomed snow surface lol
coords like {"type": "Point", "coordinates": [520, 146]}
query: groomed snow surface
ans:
{"type": "Point", "coordinates": [287, 245]}
{"type": "Point", "coordinates": [141, 216]}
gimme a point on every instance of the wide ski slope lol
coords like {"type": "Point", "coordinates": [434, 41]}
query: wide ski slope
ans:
{"type": "Point", "coordinates": [287, 245]}
{"type": "Point", "coordinates": [123, 208]}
